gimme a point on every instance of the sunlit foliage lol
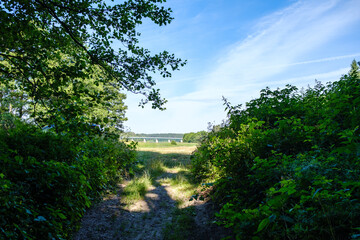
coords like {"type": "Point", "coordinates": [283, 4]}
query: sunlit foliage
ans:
{"type": "Point", "coordinates": [287, 166]}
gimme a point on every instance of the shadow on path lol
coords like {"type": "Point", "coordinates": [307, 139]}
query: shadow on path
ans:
{"type": "Point", "coordinates": [147, 219]}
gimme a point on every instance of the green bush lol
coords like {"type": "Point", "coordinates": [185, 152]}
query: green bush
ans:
{"type": "Point", "coordinates": [42, 199]}
{"type": "Point", "coordinates": [105, 161]}
{"type": "Point", "coordinates": [287, 166]}
{"type": "Point", "coordinates": [47, 183]}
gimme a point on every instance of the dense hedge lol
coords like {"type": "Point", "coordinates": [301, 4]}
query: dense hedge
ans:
{"type": "Point", "coordinates": [287, 166]}
{"type": "Point", "coordinates": [47, 182]}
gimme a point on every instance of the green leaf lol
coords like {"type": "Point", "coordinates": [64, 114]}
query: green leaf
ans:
{"type": "Point", "coordinates": [62, 216]}
{"type": "Point", "coordinates": [263, 224]}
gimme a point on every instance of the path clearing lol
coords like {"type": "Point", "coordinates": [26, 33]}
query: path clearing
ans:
{"type": "Point", "coordinates": [154, 205]}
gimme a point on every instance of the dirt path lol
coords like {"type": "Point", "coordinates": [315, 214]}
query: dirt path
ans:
{"type": "Point", "coordinates": [164, 212]}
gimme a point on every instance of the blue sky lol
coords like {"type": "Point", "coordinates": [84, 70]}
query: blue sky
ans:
{"type": "Point", "coordinates": [235, 48]}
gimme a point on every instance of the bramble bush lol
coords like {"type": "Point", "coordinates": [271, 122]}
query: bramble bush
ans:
{"type": "Point", "coordinates": [47, 182]}
{"type": "Point", "coordinates": [287, 166]}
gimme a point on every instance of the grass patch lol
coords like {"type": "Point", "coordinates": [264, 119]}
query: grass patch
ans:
{"type": "Point", "coordinates": [158, 162]}
{"type": "Point", "coordinates": [179, 181]}
{"type": "Point", "coordinates": [168, 148]}
{"type": "Point", "coordinates": [176, 166]}
{"type": "Point", "coordinates": [177, 160]}
{"type": "Point", "coordinates": [164, 145]}
{"type": "Point", "coordinates": [136, 189]}
{"type": "Point", "coordinates": [162, 168]}
{"type": "Point", "coordinates": [182, 188]}
{"type": "Point", "coordinates": [152, 163]}
{"type": "Point", "coordinates": [156, 167]}
{"type": "Point", "coordinates": [181, 226]}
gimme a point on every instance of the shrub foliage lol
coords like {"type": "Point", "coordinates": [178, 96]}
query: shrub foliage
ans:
{"type": "Point", "coordinates": [287, 166]}
{"type": "Point", "coordinates": [47, 182]}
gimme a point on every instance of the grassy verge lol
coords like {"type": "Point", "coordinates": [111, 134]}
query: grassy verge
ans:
{"type": "Point", "coordinates": [136, 189]}
{"type": "Point", "coordinates": [182, 186]}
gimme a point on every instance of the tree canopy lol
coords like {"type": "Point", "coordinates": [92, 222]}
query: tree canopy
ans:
{"type": "Point", "coordinates": [60, 52]}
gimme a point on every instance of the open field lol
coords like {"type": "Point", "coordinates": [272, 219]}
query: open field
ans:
{"type": "Point", "coordinates": [165, 147]}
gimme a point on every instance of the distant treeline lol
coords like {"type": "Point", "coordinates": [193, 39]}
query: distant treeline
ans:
{"type": "Point", "coordinates": [169, 135]}
{"type": "Point", "coordinates": [194, 137]}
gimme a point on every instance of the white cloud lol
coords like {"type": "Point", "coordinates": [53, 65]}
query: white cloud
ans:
{"type": "Point", "coordinates": [281, 39]}
{"type": "Point", "coordinates": [328, 59]}
{"type": "Point", "coordinates": [280, 44]}
{"type": "Point", "coordinates": [309, 79]}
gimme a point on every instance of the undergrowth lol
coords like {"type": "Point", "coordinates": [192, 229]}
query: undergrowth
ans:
{"type": "Point", "coordinates": [48, 180]}
{"type": "Point", "coordinates": [287, 166]}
